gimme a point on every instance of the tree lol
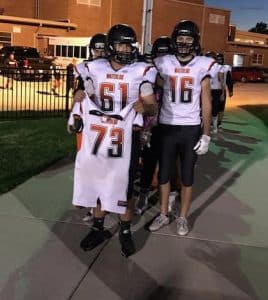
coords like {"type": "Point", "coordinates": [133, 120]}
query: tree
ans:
{"type": "Point", "coordinates": [260, 27]}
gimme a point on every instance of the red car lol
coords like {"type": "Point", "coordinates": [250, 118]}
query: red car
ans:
{"type": "Point", "coordinates": [246, 74]}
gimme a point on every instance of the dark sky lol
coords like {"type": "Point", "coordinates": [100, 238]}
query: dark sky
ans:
{"type": "Point", "coordinates": [244, 13]}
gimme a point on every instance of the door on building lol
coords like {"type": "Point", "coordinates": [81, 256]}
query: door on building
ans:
{"type": "Point", "coordinates": [5, 39]}
{"type": "Point", "coordinates": [42, 44]}
{"type": "Point", "coordinates": [238, 60]}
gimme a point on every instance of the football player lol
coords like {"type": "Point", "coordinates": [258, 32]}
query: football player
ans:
{"type": "Point", "coordinates": [228, 83]}
{"type": "Point", "coordinates": [150, 137]}
{"type": "Point", "coordinates": [96, 50]}
{"type": "Point", "coordinates": [185, 78]}
{"type": "Point", "coordinates": [217, 90]}
{"type": "Point", "coordinates": [113, 83]}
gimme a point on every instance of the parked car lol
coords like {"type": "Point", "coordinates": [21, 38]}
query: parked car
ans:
{"type": "Point", "coordinates": [265, 71]}
{"type": "Point", "coordinates": [30, 64]}
{"type": "Point", "coordinates": [247, 74]}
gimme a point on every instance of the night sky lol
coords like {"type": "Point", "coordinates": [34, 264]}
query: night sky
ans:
{"type": "Point", "coordinates": [244, 13]}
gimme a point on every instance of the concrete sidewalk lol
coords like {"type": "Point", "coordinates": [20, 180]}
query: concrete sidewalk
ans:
{"type": "Point", "coordinates": [225, 256]}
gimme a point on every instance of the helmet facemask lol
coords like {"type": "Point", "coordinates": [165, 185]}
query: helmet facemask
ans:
{"type": "Point", "coordinates": [185, 45]}
{"type": "Point", "coordinates": [97, 46]}
{"type": "Point", "coordinates": [185, 38]}
{"type": "Point", "coordinates": [123, 57]}
{"type": "Point", "coordinates": [162, 46]}
{"type": "Point", "coordinates": [124, 37]}
{"type": "Point", "coordinates": [220, 58]}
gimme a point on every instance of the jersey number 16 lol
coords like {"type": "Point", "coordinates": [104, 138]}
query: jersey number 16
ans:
{"type": "Point", "coordinates": [185, 88]}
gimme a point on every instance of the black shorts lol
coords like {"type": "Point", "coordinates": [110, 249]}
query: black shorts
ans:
{"type": "Point", "coordinates": [216, 99]}
{"type": "Point", "coordinates": [177, 140]}
{"type": "Point", "coordinates": [222, 104]}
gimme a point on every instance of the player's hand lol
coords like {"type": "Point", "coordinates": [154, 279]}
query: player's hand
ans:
{"type": "Point", "coordinates": [201, 146]}
{"type": "Point", "coordinates": [230, 94]}
{"type": "Point", "coordinates": [79, 96]}
{"type": "Point", "coordinates": [138, 106]}
{"type": "Point", "coordinates": [76, 126]}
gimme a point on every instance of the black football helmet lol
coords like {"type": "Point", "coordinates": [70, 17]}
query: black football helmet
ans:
{"type": "Point", "coordinates": [161, 46]}
{"type": "Point", "coordinates": [186, 28]}
{"type": "Point", "coordinates": [122, 34]}
{"type": "Point", "coordinates": [220, 58]}
{"type": "Point", "coordinates": [211, 54]}
{"type": "Point", "coordinates": [97, 42]}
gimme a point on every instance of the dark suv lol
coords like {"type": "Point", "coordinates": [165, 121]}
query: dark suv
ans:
{"type": "Point", "coordinates": [30, 64]}
{"type": "Point", "coordinates": [246, 74]}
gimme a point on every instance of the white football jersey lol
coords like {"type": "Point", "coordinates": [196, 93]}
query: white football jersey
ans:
{"type": "Point", "coordinates": [81, 70]}
{"type": "Point", "coordinates": [182, 88]}
{"type": "Point", "coordinates": [214, 81]}
{"type": "Point", "coordinates": [102, 163]}
{"type": "Point", "coordinates": [226, 69]}
{"type": "Point", "coordinates": [115, 89]}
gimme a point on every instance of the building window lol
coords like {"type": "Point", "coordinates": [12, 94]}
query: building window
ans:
{"type": "Point", "coordinates": [216, 19]}
{"type": "Point", "coordinates": [95, 3]}
{"type": "Point", "coordinates": [83, 52]}
{"type": "Point", "coordinates": [86, 2]}
{"type": "Point", "coordinates": [90, 2]}
{"type": "Point", "coordinates": [70, 51]}
{"type": "Point", "coordinates": [63, 50]}
{"type": "Point", "coordinates": [257, 59]}
{"type": "Point", "coordinates": [5, 39]}
{"type": "Point", "coordinates": [58, 50]}
{"type": "Point", "coordinates": [76, 51]}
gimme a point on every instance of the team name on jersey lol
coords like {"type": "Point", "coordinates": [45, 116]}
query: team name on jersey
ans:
{"type": "Point", "coordinates": [115, 76]}
{"type": "Point", "coordinates": [108, 120]}
{"type": "Point", "coordinates": [182, 70]}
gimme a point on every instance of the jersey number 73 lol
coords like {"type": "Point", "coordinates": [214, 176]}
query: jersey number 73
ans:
{"type": "Point", "coordinates": [115, 136]}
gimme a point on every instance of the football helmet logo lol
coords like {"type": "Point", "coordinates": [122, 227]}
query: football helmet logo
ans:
{"type": "Point", "coordinates": [186, 28]}
{"type": "Point", "coordinates": [122, 34]}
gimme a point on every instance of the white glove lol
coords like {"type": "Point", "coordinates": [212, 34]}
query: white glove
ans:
{"type": "Point", "coordinates": [201, 146]}
{"type": "Point", "coordinates": [70, 124]}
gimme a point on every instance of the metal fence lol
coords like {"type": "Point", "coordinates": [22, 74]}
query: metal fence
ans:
{"type": "Point", "coordinates": [28, 93]}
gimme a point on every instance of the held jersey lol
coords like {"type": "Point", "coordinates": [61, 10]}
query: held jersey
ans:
{"type": "Point", "coordinates": [115, 89]}
{"type": "Point", "coordinates": [215, 81]}
{"type": "Point", "coordinates": [182, 88]}
{"type": "Point", "coordinates": [102, 163]}
{"type": "Point", "coordinates": [81, 70]}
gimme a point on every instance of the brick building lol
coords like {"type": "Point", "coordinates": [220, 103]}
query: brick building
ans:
{"type": "Point", "coordinates": [40, 23]}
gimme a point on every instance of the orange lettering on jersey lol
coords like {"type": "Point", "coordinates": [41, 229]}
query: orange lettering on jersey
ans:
{"type": "Point", "coordinates": [115, 76]}
{"type": "Point", "coordinates": [182, 70]}
{"type": "Point", "coordinates": [108, 120]}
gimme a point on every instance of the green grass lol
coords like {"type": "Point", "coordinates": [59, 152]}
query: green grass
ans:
{"type": "Point", "coordinates": [260, 111]}
{"type": "Point", "coordinates": [29, 146]}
